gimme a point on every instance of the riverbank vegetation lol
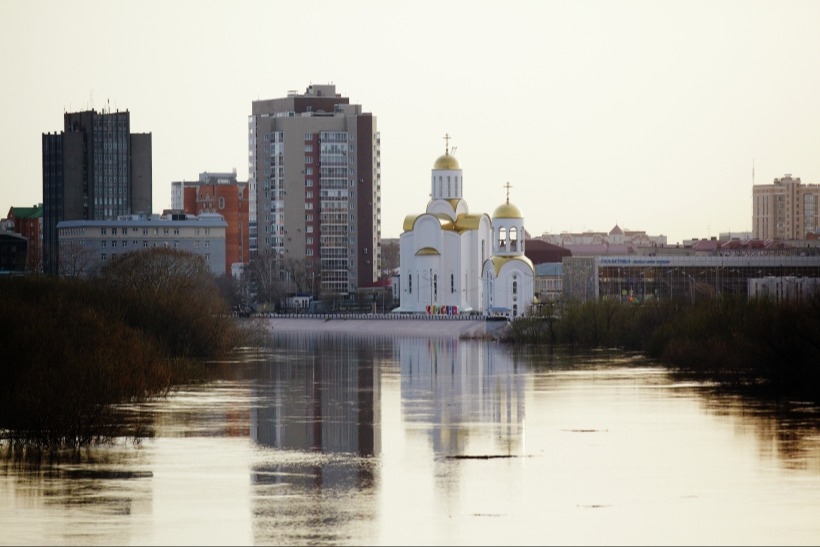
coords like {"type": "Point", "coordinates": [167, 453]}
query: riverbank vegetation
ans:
{"type": "Point", "coordinates": [758, 344]}
{"type": "Point", "coordinates": [74, 352]}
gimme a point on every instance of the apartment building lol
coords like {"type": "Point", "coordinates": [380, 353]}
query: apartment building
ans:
{"type": "Point", "coordinates": [95, 169]}
{"type": "Point", "coordinates": [785, 209]}
{"type": "Point", "coordinates": [315, 186]}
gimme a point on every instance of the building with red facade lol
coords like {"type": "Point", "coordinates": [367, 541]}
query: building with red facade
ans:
{"type": "Point", "coordinates": [219, 193]}
{"type": "Point", "coordinates": [28, 222]}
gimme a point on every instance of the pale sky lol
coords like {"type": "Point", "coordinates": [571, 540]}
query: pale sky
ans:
{"type": "Point", "coordinates": [653, 115]}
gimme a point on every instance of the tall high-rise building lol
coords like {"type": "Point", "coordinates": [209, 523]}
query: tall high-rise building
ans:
{"type": "Point", "coordinates": [785, 209]}
{"type": "Point", "coordinates": [314, 171]}
{"type": "Point", "coordinates": [95, 169]}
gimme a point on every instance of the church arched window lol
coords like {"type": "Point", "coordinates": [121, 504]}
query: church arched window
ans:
{"type": "Point", "coordinates": [410, 283]}
{"type": "Point", "coordinates": [435, 287]}
{"type": "Point", "coordinates": [515, 287]}
{"type": "Point", "coordinates": [502, 238]}
{"type": "Point", "coordinates": [513, 239]}
{"type": "Point", "coordinates": [452, 283]}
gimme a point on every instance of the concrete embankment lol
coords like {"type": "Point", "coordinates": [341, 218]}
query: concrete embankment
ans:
{"type": "Point", "coordinates": [376, 325]}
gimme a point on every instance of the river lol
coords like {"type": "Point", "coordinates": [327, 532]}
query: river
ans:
{"type": "Point", "coordinates": [332, 438]}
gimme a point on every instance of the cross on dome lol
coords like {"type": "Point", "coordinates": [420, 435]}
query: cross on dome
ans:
{"type": "Point", "coordinates": [508, 186]}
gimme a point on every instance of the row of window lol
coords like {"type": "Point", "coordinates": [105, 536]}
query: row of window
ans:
{"type": "Point", "coordinates": [104, 256]}
{"type": "Point", "coordinates": [145, 243]}
{"type": "Point", "coordinates": [134, 230]}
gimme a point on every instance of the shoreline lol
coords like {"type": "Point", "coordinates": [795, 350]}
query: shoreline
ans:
{"type": "Point", "coordinates": [376, 325]}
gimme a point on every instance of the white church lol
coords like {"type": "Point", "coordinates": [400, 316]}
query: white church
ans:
{"type": "Point", "coordinates": [455, 262]}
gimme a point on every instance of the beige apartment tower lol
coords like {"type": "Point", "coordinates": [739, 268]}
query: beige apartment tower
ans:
{"type": "Point", "coordinates": [785, 209]}
{"type": "Point", "coordinates": [314, 174]}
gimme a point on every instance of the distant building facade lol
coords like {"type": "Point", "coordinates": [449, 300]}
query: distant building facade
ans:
{"type": "Point", "coordinates": [94, 170]}
{"type": "Point", "coordinates": [315, 185]}
{"type": "Point", "coordinates": [85, 245]}
{"type": "Point", "coordinates": [616, 241]}
{"type": "Point", "coordinates": [635, 278]}
{"type": "Point", "coordinates": [28, 222]}
{"type": "Point", "coordinates": [785, 209]}
{"type": "Point", "coordinates": [219, 193]}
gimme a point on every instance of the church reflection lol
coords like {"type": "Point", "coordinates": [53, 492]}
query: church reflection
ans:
{"type": "Point", "coordinates": [471, 393]}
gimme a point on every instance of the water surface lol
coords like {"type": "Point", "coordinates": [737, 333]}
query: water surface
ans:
{"type": "Point", "coordinates": [344, 439]}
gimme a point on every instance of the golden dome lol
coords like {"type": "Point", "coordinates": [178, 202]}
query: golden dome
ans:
{"type": "Point", "coordinates": [446, 162]}
{"type": "Point", "coordinates": [507, 210]}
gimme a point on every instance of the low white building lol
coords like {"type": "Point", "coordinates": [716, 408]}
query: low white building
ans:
{"type": "Point", "coordinates": [84, 245]}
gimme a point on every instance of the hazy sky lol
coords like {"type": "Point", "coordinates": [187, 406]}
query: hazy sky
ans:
{"type": "Point", "coordinates": [649, 114]}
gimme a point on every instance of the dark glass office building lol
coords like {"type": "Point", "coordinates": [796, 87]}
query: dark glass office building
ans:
{"type": "Point", "coordinates": [95, 169]}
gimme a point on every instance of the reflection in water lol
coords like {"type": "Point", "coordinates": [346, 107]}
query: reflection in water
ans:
{"type": "Point", "coordinates": [319, 405]}
{"type": "Point", "coordinates": [470, 394]}
{"type": "Point", "coordinates": [328, 439]}
{"type": "Point", "coordinates": [323, 396]}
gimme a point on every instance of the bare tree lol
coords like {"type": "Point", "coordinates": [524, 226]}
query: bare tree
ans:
{"type": "Point", "coordinates": [390, 257]}
{"type": "Point", "coordinates": [74, 260]}
{"type": "Point", "coordinates": [262, 273]}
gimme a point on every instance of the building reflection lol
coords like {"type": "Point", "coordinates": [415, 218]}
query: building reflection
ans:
{"type": "Point", "coordinates": [471, 392]}
{"type": "Point", "coordinates": [317, 404]}
{"type": "Point", "coordinates": [319, 395]}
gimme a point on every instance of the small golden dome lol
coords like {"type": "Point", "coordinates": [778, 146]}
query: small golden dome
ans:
{"type": "Point", "coordinates": [507, 210]}
{"type": "Point", "coordinates": [446, 162]}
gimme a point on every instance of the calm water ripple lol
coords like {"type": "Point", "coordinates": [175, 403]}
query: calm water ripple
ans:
{"type": "Point", "coordinates": [339, 440]}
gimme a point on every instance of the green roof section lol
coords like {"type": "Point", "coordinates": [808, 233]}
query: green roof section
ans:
{"type": "Point", "coordinates": [26, 212]}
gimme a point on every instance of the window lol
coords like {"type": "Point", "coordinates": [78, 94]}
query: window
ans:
{"type": "Point", "coordinates": [102, 243]}
{"type": "Point", "coordinates": [435, 287]}
{"type": "Point", "coordinates": [113, 231]}
{"type": "Point", "coordinates": [452, 283]}
{"type": "Point", "coordinates": [410, 283]}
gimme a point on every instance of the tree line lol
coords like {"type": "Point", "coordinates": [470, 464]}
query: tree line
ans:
{"type": "Point", "coordinates": [75, 351]}
{"type": "Point", "coordinates": [770, 347]}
